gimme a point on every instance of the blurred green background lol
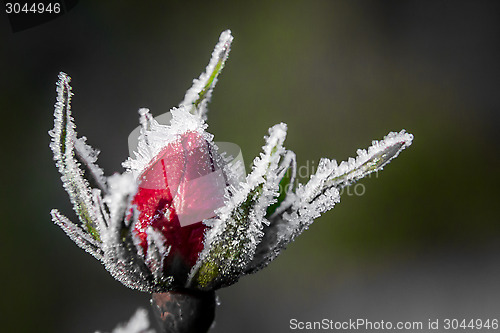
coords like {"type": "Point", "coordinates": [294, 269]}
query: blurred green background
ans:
{"type": "Point", "coordinates": [422, 242]}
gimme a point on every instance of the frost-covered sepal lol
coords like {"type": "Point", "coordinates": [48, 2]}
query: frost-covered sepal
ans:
{"type": "Point", "coordinates": [63, 144]}
{"type": "Point", "coordinates": [264, 250]}
{"type": "Point", "coordinates": [78, 235]}
{"type": "Point", "coordinates": [198, 96]}
{"type": "Point", "coordinates": [298, 212]}
{"type": "Point", "coordinates": [87, 156]}
{"type": "Point", "coordinates": [321, 193]}
{"type": "Point", "coordinates": [157, 251]}
{"type": "Point", "coordinates": [234, 234]}
{"type": "Point", "coordinates": [379, 154]}
{"type": "Point", "coordinates": [123, 257]}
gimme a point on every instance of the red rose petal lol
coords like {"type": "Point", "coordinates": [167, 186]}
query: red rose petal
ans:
{"type": "Point", "coordinates": [182, 187]}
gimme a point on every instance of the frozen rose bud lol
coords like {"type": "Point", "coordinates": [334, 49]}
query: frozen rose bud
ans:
{"type": "Point", "coordinates": [182, 186]}
{"type": "Point", "coordinates": [183, 217]}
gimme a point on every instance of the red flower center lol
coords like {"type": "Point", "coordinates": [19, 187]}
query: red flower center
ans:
{"type": "Point", "coordinates": [180, 188]}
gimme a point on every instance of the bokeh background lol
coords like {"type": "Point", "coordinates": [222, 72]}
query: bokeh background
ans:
{"type": "Point", "coordinates": [422, 242]}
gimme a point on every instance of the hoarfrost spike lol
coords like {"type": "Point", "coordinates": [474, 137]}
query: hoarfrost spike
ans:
{"type": "Point", "coordinates": [146, 120]}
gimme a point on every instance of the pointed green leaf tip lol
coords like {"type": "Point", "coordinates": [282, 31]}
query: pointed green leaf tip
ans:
{"type": "Point", "coordinates": [198, 96]}
{"type": "Point", "coordinates": [373, 160]}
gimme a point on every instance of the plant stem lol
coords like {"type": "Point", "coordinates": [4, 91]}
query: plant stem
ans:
{"type": "Point", "coordinates": [184, 311]}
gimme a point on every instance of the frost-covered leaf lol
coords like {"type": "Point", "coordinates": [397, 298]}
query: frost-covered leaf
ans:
{"type": "Point", "coordinates": [231, 242]}
{"type": "Point", "coordinates": [63, 146]}
{"type": "Point", "coordinates": [87, 156]}
{"type": "Point", "coordinates": [121, 188]}
{"type": "Point", "coordinates": [368, 161]}
{"type": "Point", "coordinates": [287, 173]}
{"type": "Point", "coordinates": [122, 257]}
{"type": "Point", "coordinates": [308, 203]}
{"type": "Point", "coordinates": [103, 233]}
{"type": "Point", "coordinates": [77, 234]}
{"type": "Point", "coordinates": [321, 193]}
{"type": "Point", "coordinates": [198, 96]}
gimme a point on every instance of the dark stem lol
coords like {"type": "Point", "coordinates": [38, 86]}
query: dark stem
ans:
{"type": "Point", "coordinates": [186, 311]}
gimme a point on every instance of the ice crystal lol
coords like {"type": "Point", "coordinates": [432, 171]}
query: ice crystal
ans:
{"type": "Point", "coordinates": [154, 136]}
{"type": "Point", "coordinates": [135, 223]}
